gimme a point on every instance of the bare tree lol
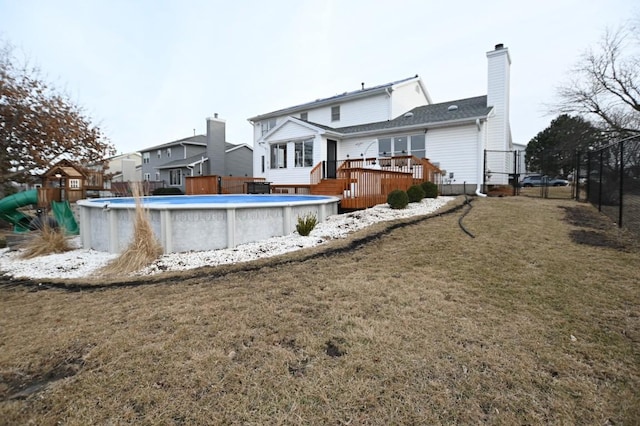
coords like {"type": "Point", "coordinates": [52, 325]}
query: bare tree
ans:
{"type": "Point", "coordinates": [40, 126]}
{"type": "Point", "coordinates": [606, 83]}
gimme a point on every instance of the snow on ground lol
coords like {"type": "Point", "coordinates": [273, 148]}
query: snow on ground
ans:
{"type": "Point", "coordinates": [80, 262]}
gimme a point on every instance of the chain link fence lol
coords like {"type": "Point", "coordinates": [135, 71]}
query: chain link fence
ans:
{"type": "Point", "coordinates": [612, 182]}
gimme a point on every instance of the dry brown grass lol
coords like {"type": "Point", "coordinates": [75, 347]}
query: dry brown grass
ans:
{"type": "Point", "coordinates": [46, 240]}
{"type": "Point", "coordinates": [143, 249]}
{"type": "Point", "coordinates": [421, 325]}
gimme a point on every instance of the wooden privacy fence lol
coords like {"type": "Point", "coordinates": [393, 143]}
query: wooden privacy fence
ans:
{"type": "Point", "coordinates": [199, 185]}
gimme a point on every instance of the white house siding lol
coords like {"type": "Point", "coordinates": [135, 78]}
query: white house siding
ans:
{"type": "Point", "coordinates": [289, 133]}
{"type": "Point", "coordinates": [406, 97]}
{"type": "Point", "coordinates": [353, 112]}
{"type": "Point", "coordinates": [455, 150]}
{"type": "Point", "coordinates": [358, 148]}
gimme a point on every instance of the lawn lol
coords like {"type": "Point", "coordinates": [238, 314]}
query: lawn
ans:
{"type": "Point", "coordinates": [536, 319]}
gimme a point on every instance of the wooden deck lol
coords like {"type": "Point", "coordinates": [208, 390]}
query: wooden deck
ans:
{"type": "Point", "coordinates": [360, 183]}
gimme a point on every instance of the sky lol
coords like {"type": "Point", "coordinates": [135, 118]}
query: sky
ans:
{"type": "Point", "coordinates": [151, 71]}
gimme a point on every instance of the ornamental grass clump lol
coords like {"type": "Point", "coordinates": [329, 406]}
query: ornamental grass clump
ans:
{"type": "Point", "coordinates": [143, 249]}
{"type": "Point", "coordinates": [415, 193]}
{"type": "Point", "coordinates": [430, 189]}
{"type": "Point", "coordinates": [398, 199]}
{"type": "Point", "coordinates": [47, 240]}
{"type": "Point", "coordinates": [306, 224]}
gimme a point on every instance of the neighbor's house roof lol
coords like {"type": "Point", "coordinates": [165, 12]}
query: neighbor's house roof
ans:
{"type": "Point", "coordinates": [197, 158]}
{"type": "Point", "coordinates": [191, 140]}
{"type": "Point", "coordinates": [365, 92]}
{"type": "Point", "coordinates": [184, 162]}
{"type": "Point", "coordinates": [424, 117]}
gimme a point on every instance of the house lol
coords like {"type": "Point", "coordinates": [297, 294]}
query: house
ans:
{"type": "Point", "coordinates": [389, 121]}
{"type": "Point", "coordinates": [124, 168]}
{"type": "Point", "coordinates": [197, 155]}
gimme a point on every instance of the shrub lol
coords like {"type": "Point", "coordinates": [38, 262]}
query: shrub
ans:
{"type": "Point", "coordinates": [306, 224]}
{"type": "Point", "coordinates": [398, 199]}
{"type": "Point", "coordinates": [167, 191]}
{"type": "Point", "coordinates": [415, 193]}
{"type": "Point", "coordinates": [143, 249]}
{"type": "Point", "coordinates": [47, 240]}
{"type": "Point", "coordinates": [430, 189]}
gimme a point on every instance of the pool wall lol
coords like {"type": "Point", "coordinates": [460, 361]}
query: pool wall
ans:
{"type": "Point", "coordinates": [108, 226]}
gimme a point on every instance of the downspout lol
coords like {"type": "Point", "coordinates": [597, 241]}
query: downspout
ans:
{"type": "Point", "coordinates": [480, 176]}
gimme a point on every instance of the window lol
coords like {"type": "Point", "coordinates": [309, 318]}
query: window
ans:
{"type": "Point", "coordinates": [262, 159]}
{"type": "Point", "coordinates": [168, 152]}
{"type": "Point", "coordinates": [159, 154]}
{"type": "Point", "coordinates": [268, 125]}
{"type": "Point", "coordinates": [402, 145]}
{"type": "Point", "coordinates": [304, 116]}
{"type": "Point", "coordinates": [335, 113]}
{"type": "Point", "coordinates": [74, 183]}
{"type": "Point", "coordinates": [399, 146]}
{"type": "Point", "coordinates": [147, 177]}
{"type": "Point", "coordinates": [304, 153]}
{"type": "Point", "coordinates": [279, 156]}
{"type": "Point", "coordinates": [418, 146]}
{"type": "Point", "coordinates": [384, 147]}
{"type": "Point", "coordinates": [175, 177]}
{"type": "Point", "coordinates": [146, 157]}
{"type": "Point", "coordinates": [157, 176]}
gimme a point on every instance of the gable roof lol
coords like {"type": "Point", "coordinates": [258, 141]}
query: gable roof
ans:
{"type": "Point", "coordinates": [425, 116]}
{"type": "Point", "coordinates": [369, 91]}
{"type": "Point", "coordinates": [467, 109]}
{"type": "Point", "coordinates": [184, 162]}
{"type": "Point", "coordinates": [191, 140]}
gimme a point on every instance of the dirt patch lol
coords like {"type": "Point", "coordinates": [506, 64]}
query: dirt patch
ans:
{"type": "Point", "coordinates": [596, 229]}
{"type": "Point", "coordinates": [20, 384]}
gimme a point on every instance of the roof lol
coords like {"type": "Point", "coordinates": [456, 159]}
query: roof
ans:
{"type": "Point", "coordinates": [333, 99]}
{"type": "Point", "coordinates": [184, 162]}
{"type": "Point", "coordinates": [427, 115]}
{"type": "Point", "coordinates": [192, 140]}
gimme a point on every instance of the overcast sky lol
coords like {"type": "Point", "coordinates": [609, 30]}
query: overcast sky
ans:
{"type": "Point", "coordinates": [149, 72]}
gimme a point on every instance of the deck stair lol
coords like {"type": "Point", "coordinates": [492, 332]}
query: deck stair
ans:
{"type": "Point", "coordinates": [335, 187]}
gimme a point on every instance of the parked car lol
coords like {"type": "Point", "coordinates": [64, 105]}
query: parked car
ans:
{"type": "Point", "coordinates": [539, 180]}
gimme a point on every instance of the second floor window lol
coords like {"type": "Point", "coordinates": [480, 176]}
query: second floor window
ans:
{"type": "Point", "coordinates": [159, 154]}
{"type": "Point", "coordinates": [146, 157]}
{"type": "Point", "coordinates": [168, 152]}
{"type": "Point", "coordinates": [335, 113]}
{"type": "Point", "coordinates": [268, 125]}
{"type": "Point", "coordinates": [304, 116]}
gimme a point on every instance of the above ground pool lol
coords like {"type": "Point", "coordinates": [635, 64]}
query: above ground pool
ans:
{"type": "Point", "coordinates": [198, 222]}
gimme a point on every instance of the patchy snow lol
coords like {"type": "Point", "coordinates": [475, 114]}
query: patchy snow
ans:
{"type": "Point", "coordinates": [80, 262]}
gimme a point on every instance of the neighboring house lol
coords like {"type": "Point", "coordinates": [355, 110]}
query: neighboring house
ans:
{"type": "Point", "coordinates": [124, 168]}
{"type": "Point", "coordinates": [198, 155]}
{"type": "Point", "coordinates": [390, 120]}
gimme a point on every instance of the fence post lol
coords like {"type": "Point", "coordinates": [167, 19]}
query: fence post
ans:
{"type": "Point", "coordinates": [621, 182]}
{"type": "Point", "coordinates": [219, 184]}
{"type": "Point", "coordinates": [600, 182]}
{"type": "Point", "coordinates": [576, 176]}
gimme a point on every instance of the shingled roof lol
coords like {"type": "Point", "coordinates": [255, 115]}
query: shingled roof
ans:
{"type": "Point", "coordinates": [427, 115]}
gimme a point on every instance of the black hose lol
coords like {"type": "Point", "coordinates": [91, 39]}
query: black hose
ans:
{"type": "Point", "coordinates": [467, 201]}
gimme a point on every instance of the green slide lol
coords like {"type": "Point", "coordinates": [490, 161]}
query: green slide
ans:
{"type": "Point", "coordinates": [64, 216]}
{"type": "Point", "coordinates": [9, 209]}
